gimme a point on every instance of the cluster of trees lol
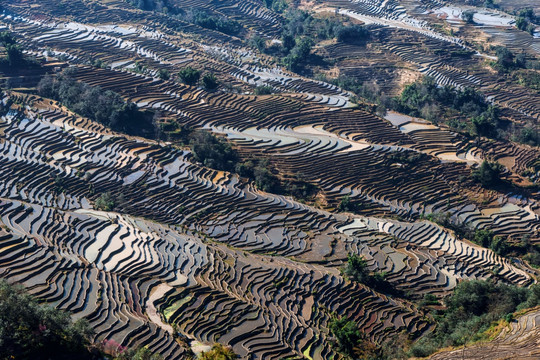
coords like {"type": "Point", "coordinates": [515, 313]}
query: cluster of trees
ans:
{"type": "Point", "coordinates": [368, 90]}
{"type": "Point", "coordinates": [213, 22]}
{"type": "Point", "coordinates": [506, 60]}
{"type": "Point", "coordinates": [526, 20]}
{"type": "Point", "coordinates": [191, 76]}
{"type": "Point", "coordinates": [532, 255]}
{"type": "Point", "coordinates": [426, 99]}
{"type": "Point", "coordinates": [298, 54]}
{"type": "Point", "coordinates": [216, 153]}
{"type": "Point", "coordinates": [503, 247]}
{"type": "Point", "coordinates": [530, 79]}
{"type": "Point", "coordinates": [528, 135]}
{"type": "Point", "coordinates": [29, 330]}
{"type": "Point", "coordinates": [354, 34]}
{"type": "Point", "coordinates": [14, 57]}
{"type": "Point", "coordinates": [263, 90]}
{"type": "Point", "coordinates": [471, 310]}
{"type": "Point", "coordinates": [277, 5]}
{"type": "Point", "coordinates": [103, 106]}
{"type": "Point", "coordinates": [346, 204]}
{"type": "Point", "coordinates": [302, 23]}
{"type": "Point", "coordinates": [356, 269]}
{"type": "Point", "coordinates": [151, 5]}
{"type": "Point", "coordinates": [490, 4]}
{"type": "Point", "coordinates": [487, 239]}
{"type": "Point", "coordinates": [301, 30]}
{"type": "Point", "coordinates": [350, 341]}
{"type": "Point", "coordinates": [164, 74]}
{"type": "Point", "coordinates": [259, 171]}
{"type": "Point", "coordinates": [109, 202]}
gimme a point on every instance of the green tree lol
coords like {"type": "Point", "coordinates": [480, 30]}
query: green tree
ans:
{"type": "Point", "coordinates": [258, 43]}
{"type": "Point", "coordinates": [299, 54]}
{"type": "Point", "coordinates": [164, 74]}
{"type": "Point", "coordinates": [490, 4]}
{"type": "Point", "coordinates": [287, 42]}
{"type": "Point", "coordinates": [468, 16]}
{"type": "Point", "coordinates": [218, 352]}
{"type": "Point", "coordinates": [210, 81]}
{"type": "Point", "coordinates": [522, 23]}
{"type": "Point", "coordinates": [138, 354]}
{"type": "Point", "coordinates": [356, 269]}
{"type": "Point", "coordinates": [505, 58]}
{"type": "Point", "coordinates": [105, 202]}
{"type": "Point", "coordinates": [6, 38]}
{"type": "Point", "coordinates": [483, 237]}
{"type": "Point", "coordinates": [189, 75]}
{"type": "Point", "coordinates": [346, 334]}
{"type": "Point", "coordinates": [263, 90]}
{"type": "Point", "coordinates": [345, 204]}
{"type": "Point", "coordinates": [15, 56]}
{"type": "Point", "coordinates": [488, 174]}
{"type": "Point", "coordinates": [212, 151]}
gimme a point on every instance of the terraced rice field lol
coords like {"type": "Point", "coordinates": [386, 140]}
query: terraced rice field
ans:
{"type": "Point", "coordinates": [193, 255]}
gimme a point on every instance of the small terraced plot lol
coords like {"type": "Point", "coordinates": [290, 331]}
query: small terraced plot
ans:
{"type": "Point", "coordinates": [269, 179]}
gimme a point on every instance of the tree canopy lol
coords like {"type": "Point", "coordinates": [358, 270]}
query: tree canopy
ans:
{"type": "Point", "coordinates": [189, 75]}
{"type": "Point", "coordinates": [29, 330]}
{"type": "Point", "coordinates": [218, 352]}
